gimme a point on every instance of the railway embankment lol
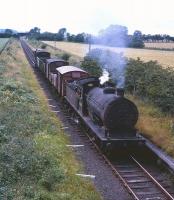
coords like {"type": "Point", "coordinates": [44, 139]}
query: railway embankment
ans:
{"type": "Point", "coordinates": [35, 162]}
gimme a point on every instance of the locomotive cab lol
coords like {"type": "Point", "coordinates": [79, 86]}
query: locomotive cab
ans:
{"type": "Point", "coordinates": [85, 85]}
{"type": "Point", "coordinates": [77, 91]}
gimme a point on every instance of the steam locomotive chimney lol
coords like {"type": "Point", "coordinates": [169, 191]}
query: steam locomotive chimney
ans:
{"type": "Point", "coordinates": [120, 92]}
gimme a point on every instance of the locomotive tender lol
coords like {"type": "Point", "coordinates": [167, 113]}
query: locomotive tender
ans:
{"type": "Point", "coordinates": [104, 110]}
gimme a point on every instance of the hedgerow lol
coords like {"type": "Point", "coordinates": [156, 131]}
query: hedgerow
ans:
{"type": "Point", "coordinates": [151, 82]}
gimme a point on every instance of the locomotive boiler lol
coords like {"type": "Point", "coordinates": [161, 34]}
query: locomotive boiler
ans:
{"type": "Point", "coordinates": [109, 108]}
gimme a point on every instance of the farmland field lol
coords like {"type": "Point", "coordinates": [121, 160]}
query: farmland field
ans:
{"type": "Point", "coordinates": [3, 42]}
{"type": "Point", "coordinates": [160, 45]}
{"type": "Point", "coordinates": [165, 58]}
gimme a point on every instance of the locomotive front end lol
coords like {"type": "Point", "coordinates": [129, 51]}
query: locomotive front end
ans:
{"type": "Point", "coordinates": [112, 110]}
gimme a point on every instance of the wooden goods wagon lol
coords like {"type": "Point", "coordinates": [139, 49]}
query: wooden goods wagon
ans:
{"type": "Point", "coordinates": [51, 65]}
{"type": "Point", "coordinates": [68, 73]}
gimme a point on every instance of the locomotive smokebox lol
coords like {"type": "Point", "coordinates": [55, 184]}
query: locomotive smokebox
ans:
{"type": "Point", "coordinates": [111, 109]}
{"type": "Point", "coordinates": [120, 92]}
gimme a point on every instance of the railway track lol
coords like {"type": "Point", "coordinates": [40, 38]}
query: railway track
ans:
{"type": "Point", "coordinates": [138, 181]}
{"type": "Point", "coordinates": [29, 54]}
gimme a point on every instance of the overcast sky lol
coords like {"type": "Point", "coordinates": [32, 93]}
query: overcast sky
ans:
{"type": "Point", "coordinates": [149, 16]}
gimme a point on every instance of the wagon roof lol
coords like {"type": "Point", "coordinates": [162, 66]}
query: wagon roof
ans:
{"type": "Point", "coordinates": [66, 69]}
{"type": "Point", "coordinates": [51, 60]}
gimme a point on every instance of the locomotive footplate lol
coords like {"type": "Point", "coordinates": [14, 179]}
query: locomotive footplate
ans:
{"type": "Point", "coordinates": [99, 134]}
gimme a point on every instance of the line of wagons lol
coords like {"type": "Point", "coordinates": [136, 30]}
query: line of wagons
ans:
{"type": "Point", "coordinates": [57, 71]}
{"type": "Point", "coordinates": [109, 115]}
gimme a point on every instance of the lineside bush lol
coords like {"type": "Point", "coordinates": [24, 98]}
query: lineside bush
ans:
{"type": "Point", "coordinates": [152, 82]}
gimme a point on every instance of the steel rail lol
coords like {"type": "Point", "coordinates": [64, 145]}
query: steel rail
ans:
{"type": "Point", "coordinates": [153, 179]}
{"type": "Point", "coordinates": [113, 168]}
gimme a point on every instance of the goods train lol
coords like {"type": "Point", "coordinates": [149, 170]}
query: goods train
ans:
{"type": "Point", "coordinates": [107, 113]}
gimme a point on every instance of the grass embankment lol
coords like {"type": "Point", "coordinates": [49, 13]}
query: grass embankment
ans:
{"type": "Point", "coordinates": [165, 58]}
{"type": "Point", "coordinates": [3, 41]}
{"type": "Point", "coordinates": [154, 124]}
{"type": "Point", "coordinates": [34, 160]}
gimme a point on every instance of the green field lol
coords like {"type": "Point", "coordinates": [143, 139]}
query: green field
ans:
{"type": "Point", "coordinates": [3, 41]}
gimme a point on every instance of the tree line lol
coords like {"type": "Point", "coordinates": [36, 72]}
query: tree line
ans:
{"type": "Point", "coordinates": [157, 38]}
{"type": "Point", "coordinates": [113, 35]}
{"type": "Point", "coordinates": [61, 35]}
{"type": "Point", "coordinates": [7, 33]}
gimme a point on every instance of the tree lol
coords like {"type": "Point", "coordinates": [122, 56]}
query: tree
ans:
{"type": "Point", "coordinates": [35, 30]}
{"type": "Point", "coordinates": [80, 38]}
{"type": "Point", "coordinates": [70, 37]}
{"type": "Point", "coordinates": [137, 40]}
{"type": "Point", "coordinates": [8, 31]}
{"type": "Point", "coordinates": [61, 34]}
{"type": "Point", "coordinates": [91, 66]}
{"type": "Point", "coordinates": [47, 36]}
{"type": "Point", "coordinates": [34, 33]}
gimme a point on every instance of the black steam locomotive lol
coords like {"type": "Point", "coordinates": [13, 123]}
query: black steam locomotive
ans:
{"type": "Point", "coordinates": [105, 110]}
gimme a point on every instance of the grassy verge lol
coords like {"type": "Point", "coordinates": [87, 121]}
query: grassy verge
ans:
{"type": "Point", "coordinates": [34, 160]}
{"type": "Point", "coordinates": [3, 41]}
{"type": "Point", "coordinates": [155, 125]}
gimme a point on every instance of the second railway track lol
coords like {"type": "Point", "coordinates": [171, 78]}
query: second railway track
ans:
{"type": "Point", "coordinates": [139, 182]}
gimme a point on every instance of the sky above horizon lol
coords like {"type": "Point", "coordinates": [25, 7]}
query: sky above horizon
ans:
{"type": "Point", "coordinates": [148, 16]}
